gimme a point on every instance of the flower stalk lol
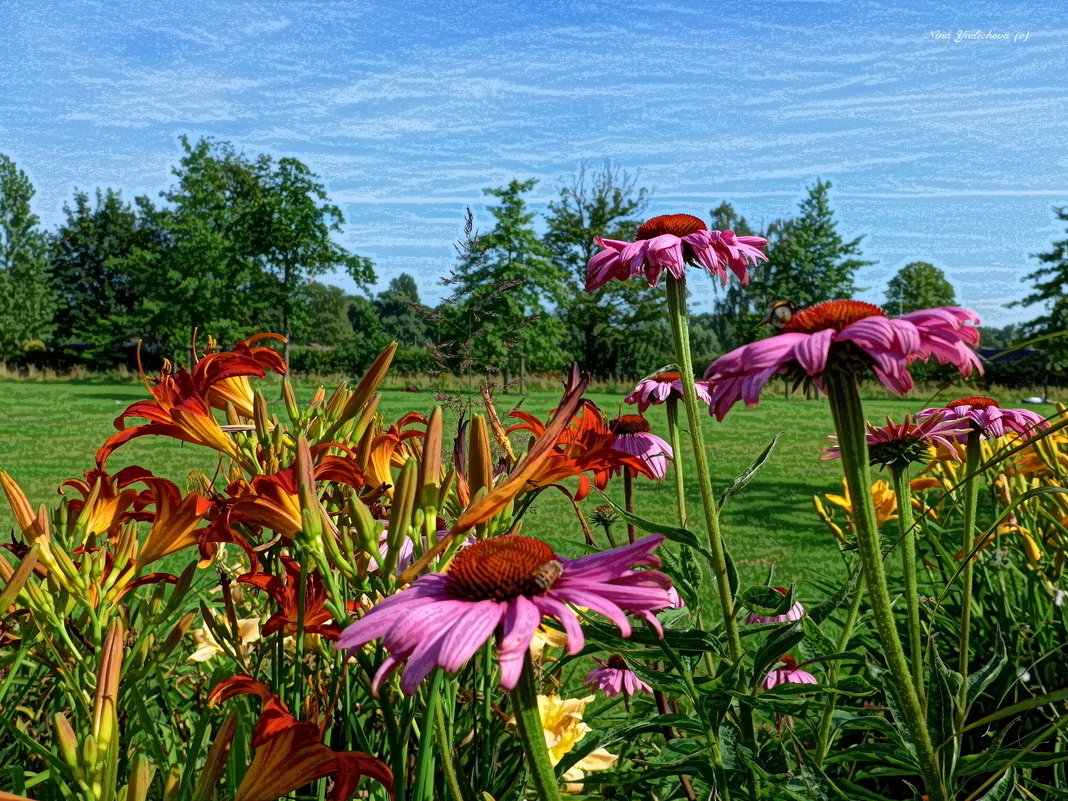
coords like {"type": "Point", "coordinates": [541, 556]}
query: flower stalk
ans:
{"type": "Point", "coordinates": [907, 530]}
{"type": "Point", "coordinates": [848, 413]}
{"type": "Point", "coordinates": [676, 468]}
{"type": "Point", "coordinates": [973, 456]}
{"type": "Point", "coordinates": [528, 725]}
{"type": "Point", "coordinates": [676, 296]}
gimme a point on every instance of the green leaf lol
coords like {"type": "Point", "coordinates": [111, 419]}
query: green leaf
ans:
{"type": "Point", "coordinates": [979, 680]}
{"type": "Point", "coordinates": [816, 644]}
{"type": "Point", "coordinates": [1002, 789]}
{"type": "Point", "coordinates": [781, 641]}
{"type": "Point", "coordinates": [855, 686]}
{"type": "Point", "coordinates": [943, 695]}
{"type": "Point", "coordinates": [747, 475]}
{"type": "Point", "coordinates": [822, 611]}
{"type": "Point", "coordinates": [680, 535]}
{"type": "Point", "coordinates": [767, 601]}
{"type": "Point", "coordinates": [1023, 706]}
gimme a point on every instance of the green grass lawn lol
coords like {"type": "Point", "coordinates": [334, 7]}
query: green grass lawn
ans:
{"type": "Point", "coordinates": [50, 431]}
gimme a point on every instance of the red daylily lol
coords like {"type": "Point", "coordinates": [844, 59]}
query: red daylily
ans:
{"type": "Point", "coordinates": [182, 408]}
{"type": "Point", "coordinates": [317, 620]}
{"type": "Point", "coordinates": [114, 501]}
{"type": "Point", "coordinates": [584, 446]}
{"type": "Point", "coordinates": [290, 753]}
{"type": "Point", "coordinates": [222, 377]}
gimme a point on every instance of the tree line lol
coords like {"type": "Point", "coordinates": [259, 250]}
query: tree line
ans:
{"type": "Point", "coordinates": [237, 244]}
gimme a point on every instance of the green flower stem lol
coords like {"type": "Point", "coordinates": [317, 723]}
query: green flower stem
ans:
{"type": "Point", "coordinates": [907, 529]}
{"type": "Point", "coordinates": [445, 749]}
{"type": "Point", "coordinates": [823, 733]}
{"type": "Point", "coordinates": [531, 737]}
{"type": "Point", "coordinates": [676, 466]}
{"type": "Point", "coordinates": [424, 759]}
{"type": "Point", "coordinates": [628, 500]}
{"type": "Point", "coordinates": [974, 455]}
{"type": "Point", "coordinates": [848, 413]}
{"type": "Point", "coordinates": [676, 296]}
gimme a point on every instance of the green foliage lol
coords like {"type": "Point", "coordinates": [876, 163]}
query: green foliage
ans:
{"type": "Point", "coordinates": [27, 299]}
{"type": "Point", "coordinates": [504, 285]}
{"type": "Point", "coordinates": [918, 285]}
{"type": "Point", "coordinates": [621, 329]}
{"type": "Point", "coordinates": [401, 312]}
{"type": "Point", "coordinates": [1050, 282]}
{"type": "Point", "coordinates": [808, 260]}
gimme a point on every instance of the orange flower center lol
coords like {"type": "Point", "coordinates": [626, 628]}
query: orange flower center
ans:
{"type": "Point", "coordinates": [615, 661]}
{"type": "Point", "coordinates": [503, 568]}
{"type": "Point", "coordinates": [788, 661]}
{"type": "Point", "coordinates": [666, 378]}
{"type": "Point", "coordinates": [836, 314]}
{"type": "Point", "coordinates": [977, 402]}
{"type": "Point", "coordinates": [678, 224]}
{"type": "Point", "coordinates": [629, 424]}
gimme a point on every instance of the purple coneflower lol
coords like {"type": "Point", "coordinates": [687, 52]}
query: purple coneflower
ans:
{"type": "Point", "coordinates": [670, 242]}
{"type": "Point", "coordinates": [789, 673]}
{"type": "Point", "coordinates": [634, 437]}
{"type": "Point", "coordinates": [657, 389]}
{"type": "Point", "coordinates": [900, 444]}
{"type": "Point", "coordinates": [847, 334]}
{"type": "Point", "coordinates": [504, 586]}
{"type": "Point", "coordinates": [614, 677]}
{"type": "Point", "coordinates": [986, 415]}
{"type": "Point", "coordinates": [796, 612]}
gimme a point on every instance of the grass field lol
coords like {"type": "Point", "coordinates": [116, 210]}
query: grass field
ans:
{"type": "Point", "coordinates": [49, 431]}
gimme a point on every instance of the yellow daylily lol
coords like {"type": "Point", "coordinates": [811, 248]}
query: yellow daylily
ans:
{"type": "Point", "coordinates": [882, 494]}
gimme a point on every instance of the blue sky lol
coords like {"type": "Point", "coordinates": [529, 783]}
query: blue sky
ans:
{"type": "Point", "coordinates": [940, 150]}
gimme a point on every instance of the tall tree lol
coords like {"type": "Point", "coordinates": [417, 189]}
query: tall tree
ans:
{"type": "Point", "coordinates": [96, 293]}
{"type": "Point", "coordinates": [27, 299]}
{"type": "Point", "coordinates": [620, 329]}
{"type": "Point", "coordinates": [504, 285]}
{"type": "Point", "coordinates": [918, 285]}
{"type": "Point", "coordinates": [808, 260]}
{"type": "Point", "coordinates": [738, 310]}
{"type": "Point", "coordinates": [399, 309]}
{"type": "Point", "coordinates": [1051, 290]}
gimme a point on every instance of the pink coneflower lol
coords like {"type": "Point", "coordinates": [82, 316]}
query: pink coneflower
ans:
{"type": "Point", "coordinates": [847, 334]}
{"type": "Point", "coordinates": [657, 389]}
{"type": "Point", "coordinates": [505, 585]}
{"type": "Point", "coordinates": [987, 416]}
{"type": "Point", "coordinates": [634, 437]}
{"type": "Point", "coordinates": [900, 444]}
{"type": "Point", "coordinates": [670, 242]}
{"type": "Point", "coordinates": [789, 673]}
{"type": "Point", "coordinates": [614, 677]}
{"type": "Point", "coordinates": [796, 612]}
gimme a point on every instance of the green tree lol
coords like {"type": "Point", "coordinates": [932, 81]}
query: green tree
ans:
{"type": "Point", "coordinates": [239, 240]}
{"type": "Point", "coordinates": [808, 260]}
{"type": "Point", "coordinates": [97, 295]}
{"type": "Point", "coordinates": [737, 310]}
{"type": "Point", "coordinates": [27, 299]}
{"type": "Point", "coordinates": [918, 285]}
{"type": "Point", "coordinates": [1050, 283]}
{"type": "Point", "coordinates": [400, 311]}
{"type": "Point", "coordinates": [620, 330]}
{"type": "Point", "coordinates": [327, 321]}
{"type": "Point", "coordinates": [291, 227]}
{"type": "Point", "coordinates": [497, 319]}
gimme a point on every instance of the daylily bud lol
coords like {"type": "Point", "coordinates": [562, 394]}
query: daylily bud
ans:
{"type": "Point", "coordinates": [368, 384]}
{"type": "Point", "coordinates": [260, 416]}
{"type": "Point", "coordinates": [400, 519]}
{"type": "Point", "coordinates": [479, 456]}
{"type": "Point", "coordinates": [365, 528]}
{"type": "Point", "coordinates": [66, 739]}
{"type": "Point", "coordinates": [289, 398]}
{"type": "Point", "coordinates": [140, 779]}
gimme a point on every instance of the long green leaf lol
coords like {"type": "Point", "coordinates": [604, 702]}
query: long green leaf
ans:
{"type": "Point", "coordinates": [747, 475]}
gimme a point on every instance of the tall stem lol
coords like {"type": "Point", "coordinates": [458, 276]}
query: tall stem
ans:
{"type": "Point", "coordinates": [628, 500]}
{"type": "Point", "coordinates": [848, 413]}
{"type": "Point", "coordinates": [906, 528]}
{"type": "Point", "coordinates": [676, 296]}
{"type": "Point", "coordinates": [823, 734]}
{"type": "Point", "coordinates": [974, 456]}
{"type": "Point", "coordinates": [676, 465]}
{"type": "Point", "coordinates": [528, 724]}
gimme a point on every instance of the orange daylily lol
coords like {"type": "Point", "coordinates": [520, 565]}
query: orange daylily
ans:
{"type": "Point", "coordinates": [111, 500]}
{"type": "Point", "coordinates": [584, 446]}
{"type": "Point", "coordinates": [176, 523]}
{"type": "Point", "coordinates": [183, 403]}
{"type": "Point", "coordinates": [317, 619]}
{"type": "Point", "coordinates": [391, 448]}
{"type": "Point", "coordinates": [290, 753]}
{"type": "Point", "coordinates": [223, 376]}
